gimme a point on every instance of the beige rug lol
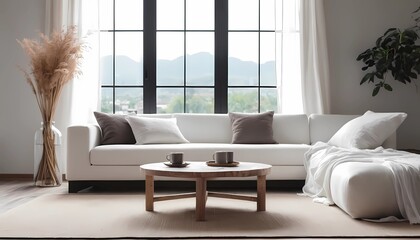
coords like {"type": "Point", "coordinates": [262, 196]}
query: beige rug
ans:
{"type": "Point", "coordinates": [123, 216]}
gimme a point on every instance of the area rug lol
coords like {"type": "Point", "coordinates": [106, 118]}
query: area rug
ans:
{"type": "Point", "coordinates": [87, 215]}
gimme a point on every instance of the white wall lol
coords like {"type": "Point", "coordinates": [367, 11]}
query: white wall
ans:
{"type": "Point", "coordinates": [19, 114]}
{"type": "Point", "coordinates": [352, 27]}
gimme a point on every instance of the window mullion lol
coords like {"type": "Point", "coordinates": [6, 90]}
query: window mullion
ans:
{"type": "Point", "coordinates": [221, 57]}
{"type": "Point", "coordinates": [113, 57]}
{"type": "Point", "coordinates": [149, 51]}
{"type": "Point", "coordinates": [259, 56]}
{"type": "Point", "coordinates": [185, 56]}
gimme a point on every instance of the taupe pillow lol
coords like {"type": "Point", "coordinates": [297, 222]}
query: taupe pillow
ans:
{"type": "Point", "coordinates": [252, 128]}
{"type": "Point", "coordinates": [115, 129]}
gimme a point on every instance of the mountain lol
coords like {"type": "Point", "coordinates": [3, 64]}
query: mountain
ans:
{"type": "Point", "coordinates": [199, 71]}
{"type": "Point", "coordinates": [128, 71]}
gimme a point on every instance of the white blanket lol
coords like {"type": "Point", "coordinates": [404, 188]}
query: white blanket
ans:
{"type": "Point", "coordinates": [321, 159]}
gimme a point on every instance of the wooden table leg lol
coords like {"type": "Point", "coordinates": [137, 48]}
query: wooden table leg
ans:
{"type": "Point", "coordinates": [150, 189]}
{"type": "Point", "coordinates": [261, 188]}
{"type": "Point", "coordinates": [200, 198]}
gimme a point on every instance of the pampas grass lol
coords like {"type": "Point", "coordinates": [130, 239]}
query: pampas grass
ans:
{"type": "Point", "coordinates": [54, 61]}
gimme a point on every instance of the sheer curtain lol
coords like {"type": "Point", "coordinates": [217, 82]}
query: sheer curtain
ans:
{"type": "Point", "coordinates": [288, 56]}
{"type": "Point", "coordinates": [79, 97]}
{"type": "Point", "coordinates": [314, 58]}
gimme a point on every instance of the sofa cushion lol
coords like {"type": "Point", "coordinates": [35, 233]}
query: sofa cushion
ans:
{"type": "Point", "coordinates": [155, 130]}
{"type": "Point", "coordinates": [135, 155]}
{"type": "Point", "coordinates": [252, 128]}
{"type": "Point", "coordinates": [205, 128]}
{"type": "Point", "coordinates": [115, 129]}
{"type": "Point", "coordinates": [323, 126]}
{"type": "Point", "coordinates": [291, 129]}
{"type": "Point", "coordinates": [367, 131]}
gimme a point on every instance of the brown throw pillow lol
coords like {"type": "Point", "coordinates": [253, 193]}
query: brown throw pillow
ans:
{"type": "Point", "coordinates": [252, 128]}
{"type": "Point", "coordinates": [115, 129]}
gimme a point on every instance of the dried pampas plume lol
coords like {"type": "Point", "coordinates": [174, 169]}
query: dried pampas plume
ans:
{"type": "Point", "coordinates": [54, 61]}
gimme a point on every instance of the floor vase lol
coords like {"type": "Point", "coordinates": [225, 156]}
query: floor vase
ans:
{"type": "Point", "coordinates": [47, 156]}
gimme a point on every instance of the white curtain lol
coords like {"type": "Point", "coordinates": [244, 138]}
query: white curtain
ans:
{"type": "Point", "coordinates": [287, 35]}
{"type": "Point", "coordinates": [314, 58]}
{"type": "Point", "coordinates": [80, 96]}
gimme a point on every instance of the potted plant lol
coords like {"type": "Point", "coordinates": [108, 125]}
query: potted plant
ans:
{"type": "Point", "coordinates": [395, 52]}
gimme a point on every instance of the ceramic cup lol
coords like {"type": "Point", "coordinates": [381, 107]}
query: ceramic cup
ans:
{"type": "Point", "coordinates": [222, 157]}
{"type": "Point", "coordinates": [229, 157]}
{"type": "Point", "coordinates": [175, 157]}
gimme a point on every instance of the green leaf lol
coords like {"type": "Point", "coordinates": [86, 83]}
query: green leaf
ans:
{"type": "Point", "coordinates": [372, 78]}
{"type": "Point", "coordinates": [370, 63]}
{"type": "Point", "coordinates": [388, 87]}
{"type": "Point", "coordinates": [376, 91]}
{"type": "Point", "coordinates": [387, 41]}
{"type": "Point", "coordinates": [390, 30]}
{"type": "Point", "coordinates": [366, 77]}
{"type": "Point", "coordinates": [378, 41]}
{"type": "Point", "coordinates": [379, 75]}
{"type": "Point", "coordinates": [410, 34]}
{"type": "Point", "coordinates": [364, 55]}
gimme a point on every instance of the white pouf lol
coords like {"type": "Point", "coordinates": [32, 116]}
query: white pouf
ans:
{"type": "Point", "coordinates": [364, 190]}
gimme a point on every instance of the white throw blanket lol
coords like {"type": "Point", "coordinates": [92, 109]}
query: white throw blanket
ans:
{"type": "Point", "coordinates": [321, 159]}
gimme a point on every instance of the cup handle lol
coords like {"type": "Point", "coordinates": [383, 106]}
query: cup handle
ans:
{"type": "Point", "coordinates": [213, 156]}
{"type": "Point", "coordinates": [167, 157]}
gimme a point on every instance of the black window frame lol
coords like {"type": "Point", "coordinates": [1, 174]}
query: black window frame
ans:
{"type": "Point", "coordinates": [150, 87]}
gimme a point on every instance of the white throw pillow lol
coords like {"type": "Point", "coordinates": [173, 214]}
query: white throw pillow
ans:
{"type": "Point", "coordinates": [155, 130]}
{"type": "Point", "coordinates": [367, 131]}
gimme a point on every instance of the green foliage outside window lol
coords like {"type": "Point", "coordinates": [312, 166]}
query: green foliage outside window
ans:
{"type": "Point", "coordinates": [240, 101]}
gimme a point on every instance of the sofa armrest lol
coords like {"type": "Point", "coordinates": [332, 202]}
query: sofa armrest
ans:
{"type": "Point", "coordinates": [80, 140]}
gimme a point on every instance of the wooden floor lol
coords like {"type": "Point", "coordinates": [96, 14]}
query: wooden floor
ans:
{"type": "Point", "coordinates": [16, 192]}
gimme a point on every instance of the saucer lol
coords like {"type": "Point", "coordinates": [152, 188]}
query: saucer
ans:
{"type": "Point", "coordinates": [184, 164]}
{"type": "Point", "coordinates": [214, 164]}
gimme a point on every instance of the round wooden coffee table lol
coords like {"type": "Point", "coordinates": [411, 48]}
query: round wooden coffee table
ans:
{"type": "Point", "coordinates": [201, 172]}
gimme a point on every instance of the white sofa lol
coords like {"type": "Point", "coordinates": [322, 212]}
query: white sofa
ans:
{"type": "Point", "coordinates": [88, 161]}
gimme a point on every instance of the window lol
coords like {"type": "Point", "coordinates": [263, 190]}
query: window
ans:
{"type": "Point", "coordinates": [185, 56]}
{"type": "Point", "coordinates": [175, 56]}
{"type": "Point", "coordinates": [121, 55]}
{"type": "Point", "coordinates": [251, 67]}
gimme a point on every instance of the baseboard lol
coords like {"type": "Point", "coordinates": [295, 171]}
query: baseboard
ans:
{"type": "Point", "coordinates": [138, 185]}
{"type": "Point", "coordinates": [16, 176]}
{"type": "Point", "coordinates": [6, 176]}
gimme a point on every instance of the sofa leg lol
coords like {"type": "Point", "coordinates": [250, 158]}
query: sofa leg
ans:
{"type": "Point", "coordinates": [76, 186]}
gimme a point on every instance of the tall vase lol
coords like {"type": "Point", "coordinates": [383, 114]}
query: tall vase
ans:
{"type": "Point", "coordinates": [48, 164]}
